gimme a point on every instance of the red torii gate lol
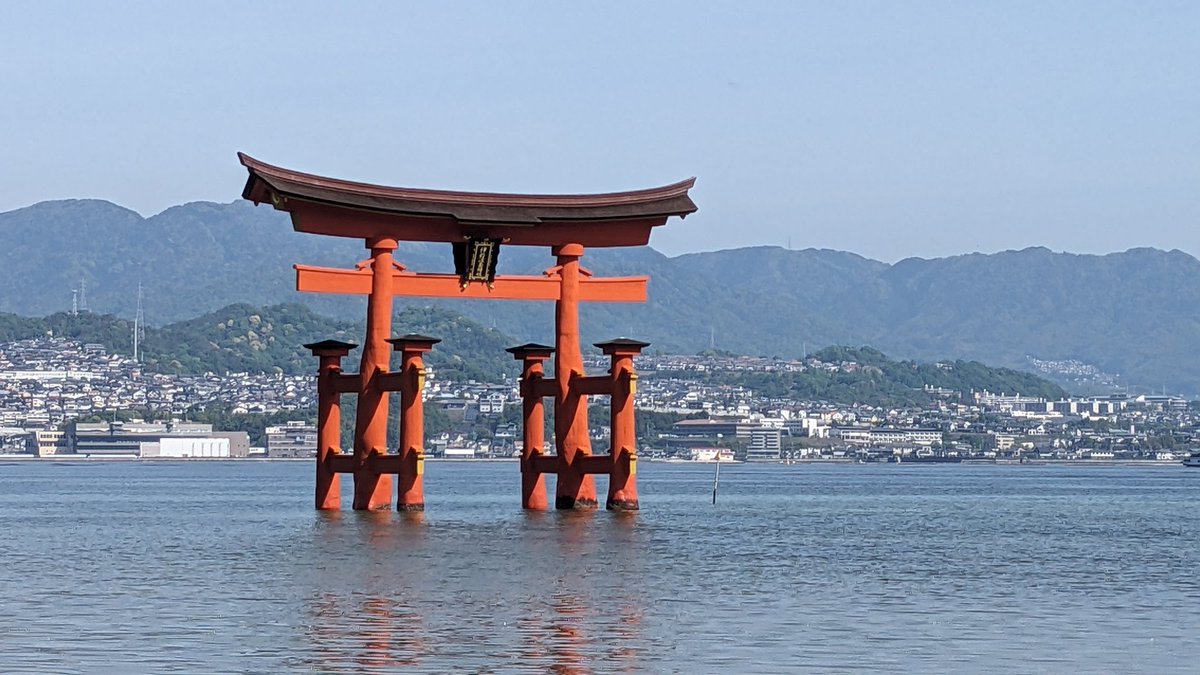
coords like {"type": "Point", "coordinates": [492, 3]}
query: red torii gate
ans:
{"type": "Point", "coordinates": [476, 224]}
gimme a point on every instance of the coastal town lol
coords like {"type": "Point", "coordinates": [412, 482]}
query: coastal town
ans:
{"type": "Point", "coordinates": [61, 397]}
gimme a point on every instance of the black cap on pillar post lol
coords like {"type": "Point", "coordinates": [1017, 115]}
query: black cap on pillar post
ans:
{"type": "Point", "coordinates": [330, 348]}
{"type": "Point", "coordinates": [413, 342]}
{"type": "Point", "coordinates": [622, 347]}
{"type": "Point", "coordinates": [531, 350]}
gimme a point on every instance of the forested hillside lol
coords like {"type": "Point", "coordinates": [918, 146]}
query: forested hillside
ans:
{"type": "Point", "coordinates": [1135, 313]}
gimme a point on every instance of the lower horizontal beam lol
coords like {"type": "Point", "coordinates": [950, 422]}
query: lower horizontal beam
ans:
{"type": "Point", "coordinates": [594, 463]}
{"type": "Point", "coordinates": [586, 463]}
{"type": "Point", "coordinates": [546, 388]}
{"type": "Point", "coordinates": [348, 463]}
{"type": "Point", "coordinates": [385, 463]}
{"type": "Point", "coordinates": [595, 385]}
{"type": "Point", "coordinates": [341, 463]}
{"type": "Point", "coordinates": [545, 464]}
{"type": "Point", "coordinates": [390, 381]}
{"type": "Point", "coordinates": [347, 383]}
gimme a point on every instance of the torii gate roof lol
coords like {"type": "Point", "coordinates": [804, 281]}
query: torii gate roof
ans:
{"type": "Point", "coordinates": [331, 206]}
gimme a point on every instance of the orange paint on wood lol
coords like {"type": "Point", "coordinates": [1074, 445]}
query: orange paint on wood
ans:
{"type": "Point", "coordinates": [533, 446]}
{"type": "Point", "coordinates": [595, 385]}
{"type": "Point", "coordinates": [328, 494]}
{"type": "Point", "coordinates": [622, 471]}
{"type": "Point", "coordinates": [372, 490]}
{"type": "Point", "coordinates": [574, 489]}
{"type": "Point", "coordinates": [545, 464]}
{"type": "Point", "coordinates": [566, 223]}
{"type": "Point", "coordinates": [310, 279]}
{"type": "Point", "coordinates": [342, 463]}
{"type": "Point", "coordinates": [410, 477]}
{"type": "Point", "coordinates": [331, 220]}
{"type": "Point", "coordinates": [594, 464]}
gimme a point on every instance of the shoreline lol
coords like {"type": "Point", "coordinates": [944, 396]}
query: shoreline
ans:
{"type": "Point", "coordinates": [482, 460]}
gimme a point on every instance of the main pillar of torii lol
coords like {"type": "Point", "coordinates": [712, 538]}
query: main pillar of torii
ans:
{"type": "Point", "coordinates": [476, 225]}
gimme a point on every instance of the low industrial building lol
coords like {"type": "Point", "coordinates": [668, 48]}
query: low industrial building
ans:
{"type": "Point", "coordinates": [178, 440]}
{"type": "Point", "coordinates": [294, 439]}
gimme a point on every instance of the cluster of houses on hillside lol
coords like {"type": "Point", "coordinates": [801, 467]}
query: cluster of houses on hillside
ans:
{"type": "Point", "coordinates": [47, 383]}
{"type": "Point", "coordinates": [953, 426]}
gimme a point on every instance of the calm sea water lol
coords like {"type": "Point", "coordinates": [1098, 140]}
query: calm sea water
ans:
{"type": "Point", "coordinates": [224, 567]}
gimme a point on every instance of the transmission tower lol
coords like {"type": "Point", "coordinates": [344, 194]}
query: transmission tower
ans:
{"type": "Point", "coordinates": [74, 302]}
{"type": "Point", "coordinates": [139, 328]}
{"type": "Point", "coordinates": [82, 295]}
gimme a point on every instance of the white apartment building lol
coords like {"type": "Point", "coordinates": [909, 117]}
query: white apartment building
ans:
{"type": "Point", "coordinates": [766, 444]}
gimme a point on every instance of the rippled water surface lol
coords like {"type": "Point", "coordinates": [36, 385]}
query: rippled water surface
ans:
{"type": "Point", "coordinates": [224, 567]}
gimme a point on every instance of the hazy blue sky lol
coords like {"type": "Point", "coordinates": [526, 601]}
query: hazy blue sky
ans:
{"type": "Point", "coordinates": [891, 129]}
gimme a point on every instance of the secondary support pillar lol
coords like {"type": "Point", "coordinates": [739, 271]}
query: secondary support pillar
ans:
{"type": "Point", "coordinates": [574, 488]}
{"type": "Point", "coordinates": [533, 446]}
{"type": "Point", "coordinates": [329, 420]}
{"type": "Point", "coordinates": [622, 481]}
{"type": "Point", "coordinates": [410, 474]}
{"type": "Point", "coordinates": [374, 490]}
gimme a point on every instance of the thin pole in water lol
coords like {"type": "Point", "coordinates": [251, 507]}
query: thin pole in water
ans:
{"type": "Point", "coordinates": [716, 477]}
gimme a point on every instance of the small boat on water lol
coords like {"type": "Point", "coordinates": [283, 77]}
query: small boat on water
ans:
{"type": "Point", "coordinates": [1192, 459]}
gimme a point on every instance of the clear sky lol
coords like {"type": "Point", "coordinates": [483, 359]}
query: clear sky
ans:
{"type": "Point", "coordinates": [891, 129]}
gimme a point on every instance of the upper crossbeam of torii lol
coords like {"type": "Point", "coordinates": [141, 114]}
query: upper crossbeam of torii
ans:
{"type": "Point", "coordinates": [476, 224]}
{"type": "Point", "coordinates": [319, 205]}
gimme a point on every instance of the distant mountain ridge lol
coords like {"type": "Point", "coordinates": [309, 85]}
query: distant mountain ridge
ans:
{"type": "Point", "coordinates": [1136, 313]}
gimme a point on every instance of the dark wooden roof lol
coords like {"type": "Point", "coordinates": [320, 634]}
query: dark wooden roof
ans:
{"type": "Point", "coordinates": [530, 348]}
{"type": "Point", "coordinates": [622, 345]}
{"type": "Point", "coordinates": [275, 185]}
{"type": "Point", "coordinates": [413, 337]}
{"type": "Point", "coordinates": [330, 345]}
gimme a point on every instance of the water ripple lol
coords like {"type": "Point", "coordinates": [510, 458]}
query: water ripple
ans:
{"type": "Point", "coordinates": [221, 567]}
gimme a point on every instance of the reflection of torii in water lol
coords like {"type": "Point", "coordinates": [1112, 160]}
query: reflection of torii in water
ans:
{"type": "Point", "coordinates": [477, 224]}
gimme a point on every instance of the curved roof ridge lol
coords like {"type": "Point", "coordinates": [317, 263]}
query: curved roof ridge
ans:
{"type": "Point", "coordinates": [267, 172]}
